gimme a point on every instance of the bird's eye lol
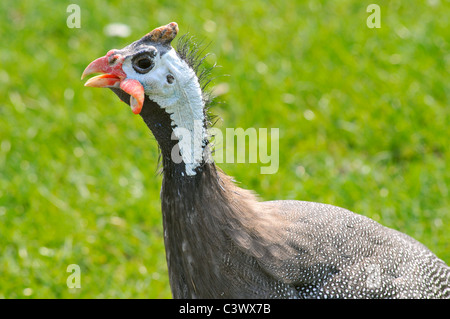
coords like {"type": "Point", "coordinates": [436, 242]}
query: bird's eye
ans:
{"type": "Point", "coordinates": [143, 63]}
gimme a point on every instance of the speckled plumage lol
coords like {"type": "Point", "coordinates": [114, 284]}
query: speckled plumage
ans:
{"type": "Point", "coordinates": [222, 243]}
{"type": "Point", "coordinates": [346, 255]}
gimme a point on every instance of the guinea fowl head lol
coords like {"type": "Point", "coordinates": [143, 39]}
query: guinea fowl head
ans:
{"type": "Point", "coordinates": [151, 76]}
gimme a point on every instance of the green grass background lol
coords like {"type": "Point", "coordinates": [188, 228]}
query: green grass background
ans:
{"type": "Point", "coordinates": [363, 116]}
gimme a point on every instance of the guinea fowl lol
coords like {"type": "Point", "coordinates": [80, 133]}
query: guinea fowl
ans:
{"type": "Point", "coordinates": [220, 240]}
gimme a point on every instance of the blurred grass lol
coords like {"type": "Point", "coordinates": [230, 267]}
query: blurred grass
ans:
{"type": "Point", "coordinates": [363, 116]}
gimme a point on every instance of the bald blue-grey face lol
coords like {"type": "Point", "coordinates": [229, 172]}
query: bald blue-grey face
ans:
{"type": "Point", "coordinates": [143, 67]}
{"type": "Point", "coordinates": [126, 69]}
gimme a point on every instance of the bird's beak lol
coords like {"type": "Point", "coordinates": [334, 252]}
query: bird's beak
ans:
{"type": "Point", "coordinates": [113, 76]}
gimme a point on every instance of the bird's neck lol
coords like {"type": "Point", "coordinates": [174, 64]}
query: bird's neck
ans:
{"type": "Point", "coordinates": [215, 232]}
{"type": "Point", "coordinates": [176, 160]}
{"type": "Point", "coordinates": [211, 226]}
